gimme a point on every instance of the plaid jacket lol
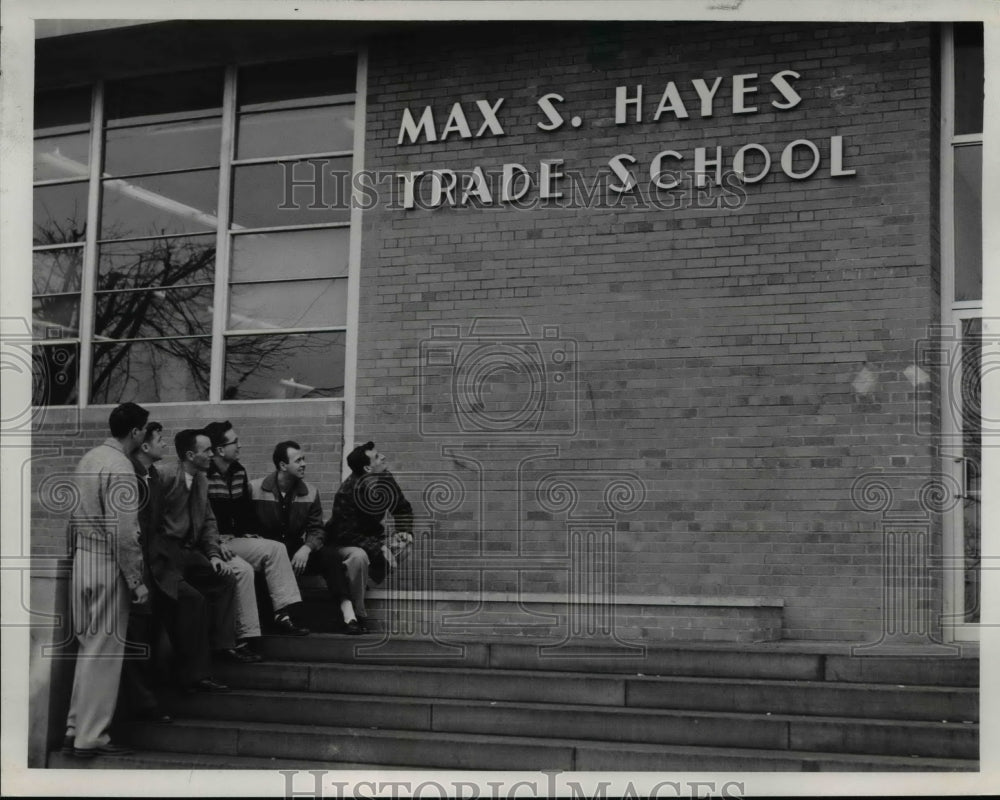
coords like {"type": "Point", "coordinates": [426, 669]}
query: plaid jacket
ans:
{"type": "Point", "coordinates": [359, 507]}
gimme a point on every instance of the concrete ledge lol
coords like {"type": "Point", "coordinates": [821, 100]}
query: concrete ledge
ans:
{"type": "Point", "coordinates": [554, 597]}
{"type": "Point", "coordinates": [469, 616]}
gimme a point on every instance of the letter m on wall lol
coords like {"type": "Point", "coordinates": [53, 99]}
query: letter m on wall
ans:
{"type": "Point", "coordinates": [412, 129]}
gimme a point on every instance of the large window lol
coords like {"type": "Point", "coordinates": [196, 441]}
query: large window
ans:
{"type": "Point", "coordinates": [191, 243]}
{"type": "Point", "coordinates": [961, 313]}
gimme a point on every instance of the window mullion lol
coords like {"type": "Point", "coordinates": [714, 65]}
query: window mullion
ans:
{"type": "Point", "coordinates": [947, 173]}
{"type": "Point", "coordinates": [88, 280]}
{"type": "Point", "coordinates": [222, 237]}
{"type": "Point", "coordinates": [354, 259]}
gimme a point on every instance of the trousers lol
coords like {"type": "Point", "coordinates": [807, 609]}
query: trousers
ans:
{"type": "Point", "coordinates": [100, 608]}
{"type": "Point", "coordinates": [270, 558]}
{"type": "Point", "coordinates": [219, 595]}
{"type": "Point", "coordinates": [355, 564]}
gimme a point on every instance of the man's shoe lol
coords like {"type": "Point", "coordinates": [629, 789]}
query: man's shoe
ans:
{"type": "Point", "coordinates": [352, 628]}
{"type": "Point", "coordinates": [109, 749]}
{"type": "Point", "coordinates": [247, 650]}
{"type": "Point", "coordinates": [364, 624]}
{"type": "Point", "coordinates": [67, 745]}
{"type": "Point", "coordinates": [241, 655]}
{"type": "Point", "coordinates": [284, 625]}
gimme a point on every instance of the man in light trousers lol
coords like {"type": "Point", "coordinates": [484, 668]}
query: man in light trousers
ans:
{"type": "Point", "coordinates": [107, 577]}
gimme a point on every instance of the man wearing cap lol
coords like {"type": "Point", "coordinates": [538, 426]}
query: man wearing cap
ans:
{"type": "Point", "coordinates": [359, 506]}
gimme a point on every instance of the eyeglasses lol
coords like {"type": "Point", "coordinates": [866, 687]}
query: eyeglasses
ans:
{"type": "Point", "coordinates": [234, 441]}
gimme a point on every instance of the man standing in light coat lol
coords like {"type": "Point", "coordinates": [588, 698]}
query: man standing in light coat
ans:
{"type": "Point", "coordinates": [107, 577]}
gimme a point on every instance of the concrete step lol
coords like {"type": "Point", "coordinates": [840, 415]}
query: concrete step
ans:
{"type": "Point", "coordinates": [881, 701]}
{"type": "Point", "coordinates": [221, 743]}
{"type": "Point", "coordinates": [777, 661]}
{"type": "Point", "coordinates": [553, 721]}
{"type": "Point", "coordinates": [166, 760]}
{"type": "Point", "coordinates": [353, 745]}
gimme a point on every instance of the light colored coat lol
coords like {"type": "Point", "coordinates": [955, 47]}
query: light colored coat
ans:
{"type": "Point", "coordinates": [106, 519]}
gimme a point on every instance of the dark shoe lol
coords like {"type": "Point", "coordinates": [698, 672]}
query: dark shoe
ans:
{"type": "Point", "coordinates": [284, 625]}
{"type": "Point", "coordinates": [352, 628]}
{"type": "Point", "coordinates": [109, 749]}
{"type": "Point", "coordinates": [208, 685]}
{"type": "Point", "coordinates": [154, 714]}
{"type": "Point", "coordinates": [67, 745]}
{"type": "Point", "coordinates": [241, 655]}
{"type": "Point", "coordinates": [248, 651]}
{"type": "Point", "coordinates": [365, 625]}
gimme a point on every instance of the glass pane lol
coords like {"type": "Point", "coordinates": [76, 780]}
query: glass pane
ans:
{"type": "Point", "coordinates": [305, 304]}
{"type": "Point", "coordinates": [969, 74]}
{"type": "Point", "coordinates": [161, 312]}
{"type": "Point", "coordinates": [284, 366]}
{"type": "Point", "coordinates": [55, 316]}
{"type": "Point", "coordinates": [56, 271]}
{"type": "Point", "coordinates": [56, 374]}
{"type": "Point", "coordinates": [58, 157]}
{"type": "Point", "coordinates": [62, 107]}
{"type": "Point", "coordinates": [160, 204]}
{"type": "Point", "coordinates": [972, 449]}
{"type": "Point", "coordinates": [60, 213]}
{"type": "Point", "coordinates": [156, 262]}
{"type": "Point", "coordinates": [968, 223]}
{"type": "Point", "coordinates": [294, 254]}
{"type": "Point", "coordinates": [158, 148]}
{"type": "Point", "coordinates": [171, 370]}
{"type": "Point", "coordinates": [316, 77]}
{"type": "Point", "coordinates": [287, 133]}
{"type": "Point", "coordinates": [292, 193]}
{"type": "Point", "coordinates": [156, 95]}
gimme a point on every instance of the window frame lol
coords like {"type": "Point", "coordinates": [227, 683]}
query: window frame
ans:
{"type": "Point", "coordinates": [953, 314]}
{"type": "Point", "coordinates": [86, 340]}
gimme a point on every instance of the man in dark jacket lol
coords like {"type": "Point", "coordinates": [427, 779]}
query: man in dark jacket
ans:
{"type": "Point", "coordinates": [197, 583]}
{"type": "Point", "coordinates": [288, 510]}
{"type": "Point", "coordinates": [145, 621]}
{"type": "Point", "coordinates": [360, 505]}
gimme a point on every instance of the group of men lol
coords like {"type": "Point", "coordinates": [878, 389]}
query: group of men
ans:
{"type": "Point", "coordinates": [176, 546]}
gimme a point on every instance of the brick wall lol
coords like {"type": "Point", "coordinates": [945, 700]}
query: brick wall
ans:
{"type": "Point", "coordinates": [62, 436]}
{"type": "Point", "coordinates": [738, 369]}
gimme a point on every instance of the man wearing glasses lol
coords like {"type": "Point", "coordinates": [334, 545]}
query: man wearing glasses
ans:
{"type": "Point", "coordinates": [229, 494]}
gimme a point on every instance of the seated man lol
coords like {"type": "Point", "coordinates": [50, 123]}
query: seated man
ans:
{"type": "Point", "coordinates": [289, 511]}
{"type": "Point", "coordinates": [229, 494]}
{"type": "Point", "coordinates": [360, 505]}
{"type": "Point", "coordinates": [189, 553]}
